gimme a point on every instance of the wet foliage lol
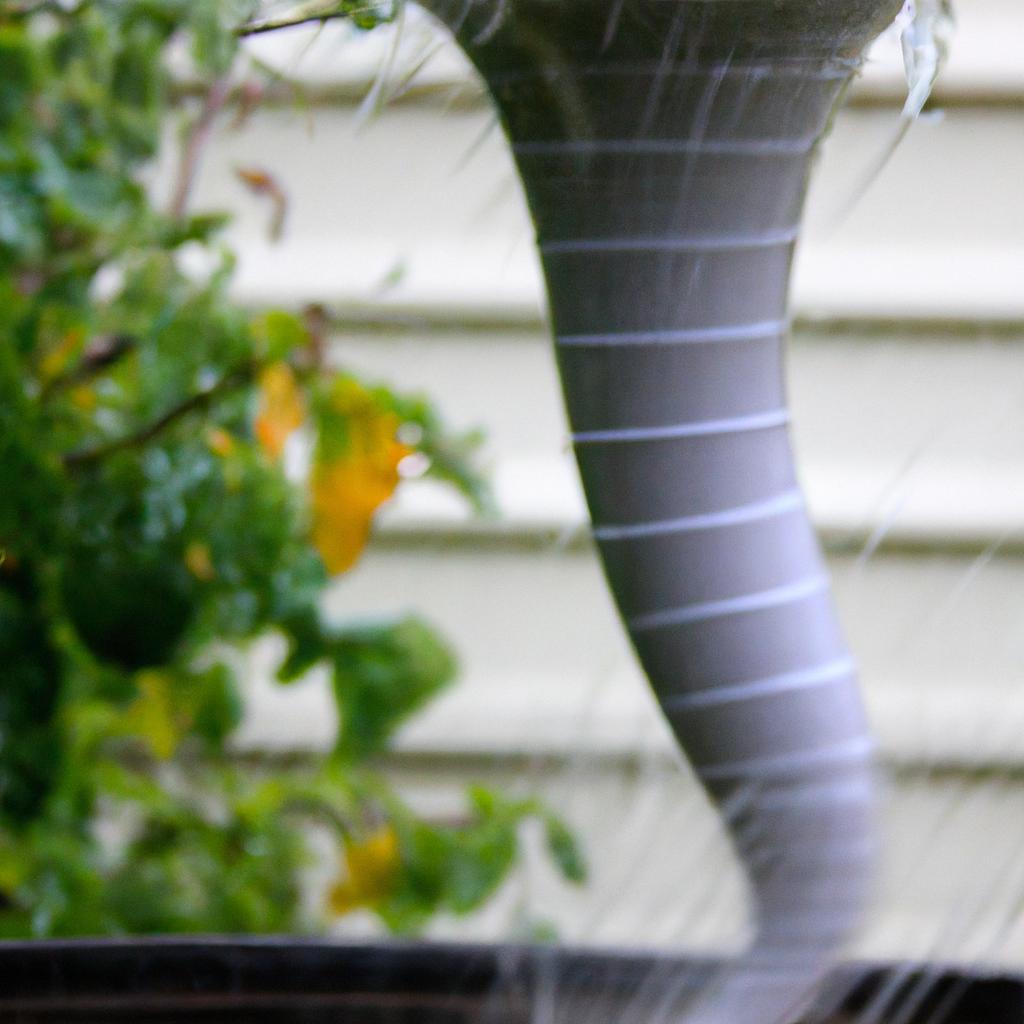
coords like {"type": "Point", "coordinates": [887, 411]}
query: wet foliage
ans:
{"type": "Point", "coordinates": [150, 531]}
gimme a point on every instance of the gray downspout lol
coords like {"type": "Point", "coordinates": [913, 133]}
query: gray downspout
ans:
{"type": "Point", "coordinates": [664, 146]}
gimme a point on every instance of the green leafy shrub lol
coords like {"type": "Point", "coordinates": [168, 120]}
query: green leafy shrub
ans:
{"type": "Point", "coordinates": [147, 528]}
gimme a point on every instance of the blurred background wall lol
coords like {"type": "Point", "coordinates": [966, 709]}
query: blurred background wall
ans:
{"type": "Point", "coordinates": [405, 222]}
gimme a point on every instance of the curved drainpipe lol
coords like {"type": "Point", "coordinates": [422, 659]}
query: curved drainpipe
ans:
{"type": "Point", "coordinates": [664, 146]}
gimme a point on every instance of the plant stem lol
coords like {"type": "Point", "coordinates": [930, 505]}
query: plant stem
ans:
{"type": "Point", "coordinates": [238, 377]}
{"type": "Point", "coordinates": [275, 26]}
{"type": "Point", "coordinates": [317, 808]}
{"type": "Point", "coordinates": [198, 136]}
{"type": "Point", "coordinates": [103, 354]}
{"type": "Point", "coordinates": [258, 28]}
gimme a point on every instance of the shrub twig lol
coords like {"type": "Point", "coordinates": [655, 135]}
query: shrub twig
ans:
{"type": "Point", "coordinates": [231, 381]}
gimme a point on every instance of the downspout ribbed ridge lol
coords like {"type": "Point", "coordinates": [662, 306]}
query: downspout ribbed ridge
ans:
{"type": "Point", "coordinates": [664, 146]}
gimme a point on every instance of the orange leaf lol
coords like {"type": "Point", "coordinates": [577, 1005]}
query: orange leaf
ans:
{"type": "Point", "coordinates": [348, 488]}
{"type": "Point", "coordinates": [282, 409]}
{"type": "Point", "coordinates": [256, 179]}
{"type": "Point", "coordinates": [220, 442]}
{"type": "Point", "coordinates": [261, 183]}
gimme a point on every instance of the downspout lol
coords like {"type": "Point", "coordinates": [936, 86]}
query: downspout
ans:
{"type": "Point", "coordinates": [664, 146]}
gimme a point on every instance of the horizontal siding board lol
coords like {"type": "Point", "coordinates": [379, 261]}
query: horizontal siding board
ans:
{"type": "Point", "coordinates": [923, 435]}
{"type": "Point", "coordinates": [335, 62]}
{"type": "Point", "coordinates": [939, 644]}
{"type": "Point", "coordinates": [947, 890]}
{"type": "Point", "coordinates": [938, 235]}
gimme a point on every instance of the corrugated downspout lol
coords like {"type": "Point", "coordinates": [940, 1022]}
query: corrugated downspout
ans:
{"type": "Point", "coordinates": [664, 146]}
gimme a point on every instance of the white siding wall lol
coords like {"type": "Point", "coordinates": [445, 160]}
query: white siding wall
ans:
{"type": "Point", "coordinates": [907, 376]}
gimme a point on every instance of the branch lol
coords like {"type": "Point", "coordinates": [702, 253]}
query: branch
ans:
{"type": "Point", "coordinates": [105, 352]}
{"type": "Point", "coordinates": [236, 378]}
{"type": "Point", "coordinates": [314, 807]}
{"type": "Point", "coordinates": [199, 135]}
{"type": "Point", "coordinates": [258, 28]}
{"type": "Point", "coordinates": [351, 13]}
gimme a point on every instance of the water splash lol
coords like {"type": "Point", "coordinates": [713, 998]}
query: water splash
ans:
{"type": "Point", "coordinates": [926, 30]}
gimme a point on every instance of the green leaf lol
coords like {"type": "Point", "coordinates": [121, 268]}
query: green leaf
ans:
{"type": "Point", "coordinates": [131, 607]}
{"type": "Point", "coordinates": [452, 458]}
{"type": "Point", "coordinates": [277, 334]}
{"type": "Point", "coordinates": [18, 220]}
{"type": "Point", "coordinates": [30, 739]}
{"type": "Point", "coordinates": [18, 79]}
{"type": "Point", "coordinates": [218, 706]}
{"type": "Point", "coordinates": [382, 675]}
{"type": "Point", "coordinates": [200, 227]}
{"type": "Point", "coordinates": [307, 644]}
{"type": "Point", "coordinates": [214, 43]}
{"type": "Point", "coordinates": [564, 849]}
{"type": "Point", "coordinates": [481, 857]}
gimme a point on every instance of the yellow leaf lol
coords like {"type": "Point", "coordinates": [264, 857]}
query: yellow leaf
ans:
{"type": "Point", "coordinates": [349, 487]}
{"type": "Point", "coordinates": [84, 398]}
{"type": "Point", "coordinates": [12, 869]}
{"type": "Point", "coordinates": [342, 899]}
{"type": "Point", "coordinates": [345, 498]}
{"type": "Point", "coordinates": [152, 715]}
{"type": "Point", "coordinates": [56, 360]}
{"type": "Point", "coordinates": [199, 562]}
{"type": "Point", "coordinates": [371, 865]}
{"type": "Point", "coordinates": [282, 409]}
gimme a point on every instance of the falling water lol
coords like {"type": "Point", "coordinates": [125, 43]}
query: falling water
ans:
{"type": "Point", "coordinates": [925, 29]}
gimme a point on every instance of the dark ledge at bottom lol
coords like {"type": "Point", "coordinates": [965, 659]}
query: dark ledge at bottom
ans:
{"type": "Point", "coordinates": [274, 981]}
